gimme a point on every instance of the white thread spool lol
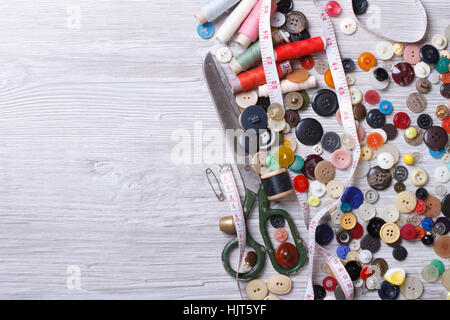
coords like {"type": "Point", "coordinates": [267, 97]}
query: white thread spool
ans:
{"type": "Point", "coordinates": [213, 9]}
{"type": "Point", "coordinates": [289, 86]}
{"type": "Point", "coordinates": [234, 20]}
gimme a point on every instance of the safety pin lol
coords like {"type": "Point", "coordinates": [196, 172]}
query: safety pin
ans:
{"type": "Point", "coordinates": [220, 196]}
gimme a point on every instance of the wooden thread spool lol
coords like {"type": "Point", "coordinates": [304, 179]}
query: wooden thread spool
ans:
{"type": "Point", "coordinates": [277, 184]}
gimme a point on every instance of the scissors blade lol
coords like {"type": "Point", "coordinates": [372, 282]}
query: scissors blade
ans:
{"type": "Point", "coordinates": [228, 112]}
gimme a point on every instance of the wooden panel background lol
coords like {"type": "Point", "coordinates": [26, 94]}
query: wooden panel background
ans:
{"type": "Point", "coordinates": [88, 110]}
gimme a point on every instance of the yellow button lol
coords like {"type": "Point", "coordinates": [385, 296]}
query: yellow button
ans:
{"type": "Point", "coordinates": [398, 49]}
{"type": "Point", "coordinates": [284, 156]}
{"type": "Point", "coordinates": [405, 202]}
{"type": "Point", "coordinates": [348, 221]}
{"type": "Point", "coordinates": [366, 153]}
{"type": "Point", "coordinates": [408, 159]}
{"type": "Point", "coordinates": [389, 232]}
{"type": "Point", "coordinates": [314, 201]}
{"type": "Point", "coordinates": [418, 177]}
{"type": "Point", "coordinates": [396, 276]}
{"type": "Point", "coordinates": [411, 133]}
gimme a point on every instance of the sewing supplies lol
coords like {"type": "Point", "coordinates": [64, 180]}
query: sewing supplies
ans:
{"type": "Point", "coordinates": [289, 86]}
{"type": "Point", "coordinates": [219, 194]}
{"type": "Point", "coordinates": [277, 184]}
{"type": "Point", "coordinates": [234, 20]}
{"type": "Point", "coordinates": [212, 9]}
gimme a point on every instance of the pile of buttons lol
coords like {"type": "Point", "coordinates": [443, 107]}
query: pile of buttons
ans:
{"type": "Point", "coordinates": [363, 220]}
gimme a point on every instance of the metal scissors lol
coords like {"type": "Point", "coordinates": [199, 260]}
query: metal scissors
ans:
{"type": "Point", "coordinates": [228, 112]}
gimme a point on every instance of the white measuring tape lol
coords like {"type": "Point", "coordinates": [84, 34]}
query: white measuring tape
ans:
{"type": "Point", "coordinates": [234, 201]}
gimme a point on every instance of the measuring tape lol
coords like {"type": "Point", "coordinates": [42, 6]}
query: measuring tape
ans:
{"type": "Point", "coordinates": [348, 123]}
{"type": "Point", "coordinates": [234, 201]}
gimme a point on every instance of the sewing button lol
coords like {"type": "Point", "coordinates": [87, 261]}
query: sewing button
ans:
{"type": "Point", "coordinates": [418, 177]}
{"type": "Point", "coordinates": [365, 256]}
{"type": "Point", "coordinates": [390, 130]}
{"type": "Point", "coordinates": [420, 207]}
{"type": "Point", "coordinates": [352, 256]}
{"type": "Point", "coordinates": [351, 79]}
{"type": "Point", "coordinates": [440, 190]}
{"type": "Point", "coordinates": [359, 112]}
{"type": "Point", "coordinates": [374, 226]}
{"type": "Point", "coordinates": [309, 131]}
{"type": "Point", "coordinates": [280, 234]}
{"type": "Point", "coordinates": [446, 124]}
{"type": "Point", "coordinates": [427, 224]}
{"type": "Point", "coordinates": [403, 73]}
{"type": "Point", "coordinates": [341, 158]}
{"type": "Point", "coordinates": [276, 125]}
{"type": "Point", "coordinates": [423, 85]}
{"type": "Point", "coordinates": [384, 50]}
{"type": "Point", "coordinates": [345, 207]}
{"type": "Point", "coordinates": [401, 120]}
{"type": "Point", "coordinates": [442, 246]}
{"type": "Point", "coordinates": [413, 136]}
{"type": "Point", "coordinates": [398, 49]}
{"type": "Point", "coordinates": [367, 61]}
{"type": "Point", "coordinates": [441, 112]}
{"type": "Point", "coordinates": [378, 78]}
{"type": "Point", "coordinates": [445, 206]}
{"type": "Point", "coordinates": [439, 228]}
{"type": "Point", "coordinates": [251, 258]}
{"type": "Point", "coordinates": [298, 75]}
{"type": "Point", "coordinates": [422, 70]}
{"type": "Point", "coordinates": [439, 41]}
{"type": "Point", "coordinates": [412, 288]}
{"type": "Point", "coordinates": [362, 169]}
{"type": "Point", "coordinates": [381, 264]}
{"type": "Point", "coordinates": [259, 163]}
{"type": "Point", "coordinates": [298, 164]}
{"type": "Point", "coordinates": [389, 148]}
{"type": "Point", "coordinates": [375, 119]}
{"type": "Point", "coordinates": [388, 291]}
{"type": "Point", "coordinates": [336, 216]}
{"type": "Point", "coordinates": [289, 141]}
{"type": "Point", "coordinates": [245, 99]}
{"type": "Point", "coordinates": [355, 95]}
{"type": "Point", "coordinates": [359, 6]}
{"type": "Point", "coordinates": [310, 164]}
{"type": "Point", "coordinates": [329, 283]}
{"type": "Point", "coordinates": [254, 117]}
{"type": "Point", "coordinates": [317, 149]}
{"type": "Point", "coordinates": [420, 233]}
{"type": "Point", "coordinates": [284, 6]}
{"type": "Point", "coordinates": [429, 54]}
{"type": "Point", "coordinates": [333, 8]}
{"type": "Point", "coordinates": [395, 276]}
{"type": "Point", "coordinates": [348, 26]}
{"type": "Point", "coordinates": [385, 107]}
{"type": "Point", "coordinates": [334, 188]}
{"type": "Point", "coordinates": [371, 196]}
{"type": "Point", "coordinates": [424, 121]}
{"type": "Point", "coordinates": [390, 213]}
{"type": "Point", "coordinates": [405, 202]}
{"type": "Point", "coordinates": [378, 178]}
{"type": "Point", "coordinates": [416, 102]}
{"type": "Point", "coordinates": [275, 111]}
{"type": "Point", "coordinates": [301, 183]}
{"type": "Point", "coordinates": [224, 55]}
{"type": "Point", "coordinates": [372, 282]}
{"type": "Point", "coordinates": [317, 188]}
{"type": "Point", "coordinates": [354, 245]}
{"type": "Point", "coordinates": [354, 269]}
{"type": "Point", "coordinates": [357, 231]}
{"type": "Point", "coordinates": [347, 141]}
{"type": "Point", "coordinates": [286, 255]}
{"type": "Point", "coordinates": [348, 221]}
{"type": "Point", "coordinates": [330, 141]}
{"type": "Point", "coordinates": [328, 78]}
{"type": "Point", "coordinates": [324, 171]}
{"type": "Point", "coordinates": [442, 65]}
{"type": "Point", "coordinates": [433, 207]}
{"type": "Point", "coordinates": [445, 90]}
{"type": "Point", "coordinates": [205, 31]}
{"type": "Point", "coordinates": [324, 102]}
{"type": "Point", "coordinates": [324, 234]}
{"type": "Point", "coordinates": [342, 251]}
{"type": "Point", "coordinates": [321, 66]}
{"type": "Point", "coordinates": [411, 54]}
{"type": "Point", "coordinates": [292, 118]}
{"type": "Point", "coordinates": [438, 263]}
{"type": "Point", "coordinates": [295, 22]}
{"type": "Point", "coordinates": [256, 290]}
{"type": "Point", "coordinates": [293, 100]}
{"type": "Point", "coordinates": [277, 19]}
{"type": "Point", "coordinates": [348, 65]}
{"type": "Point", "coordinates": [428, 239]}
{"type": "Point", "coordinates": [319, 292]}
{"type": "Point", "coordinates": [277, 221]}
{"type": "Point", "coordinates": [370, 243]}
{"type": "Point", "coordinates": [366, 153]}
{"type": "Point", "coordinates": [435, 137]}
{"type": "Point", "coordinates": [271, 162]}
{"type": "Point", "coordinates": [385, 160]}
{"type": "Point", "coordinates": [400, 173]}
{"type": "Point", "coordinates": [372, 97]}
{"type": "Point", "coordinates": [442, 174]}
{"type": "Point", "coordinates": [279, 284]}
{"type": "Point", "coordinates": [389, 232]}
{"type": "Point", "coordinates": [430, 273]}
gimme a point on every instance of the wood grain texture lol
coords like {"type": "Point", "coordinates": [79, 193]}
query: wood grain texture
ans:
{"type": "Point", "coordinates": [86, 120]}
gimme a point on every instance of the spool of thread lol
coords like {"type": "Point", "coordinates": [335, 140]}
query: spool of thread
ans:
{"type": "Point", "coordinates": [226, 224]}
{"type": "Point", "coordinates": [252, 55]}
{"type": "Point", "coordinates": [256, 77]}
{"type": "Point", "coordinates": [234, 20]}
{"type": "Point", "coordinates": [248, 32]}
{"type": "Point", "coordinates": [277, 184]}
{"type": "Point", "coordinates": [289, 86]}
{"type": "Point", "coordinates": [300, 48]}
{"type": "Point", "coordinates": [213, 9]}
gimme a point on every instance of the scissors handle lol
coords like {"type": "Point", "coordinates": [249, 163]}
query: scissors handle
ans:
{"type": "Point", "coordinates": [260, 250]}
{"type": "Point", "coordinates": [264, 215]}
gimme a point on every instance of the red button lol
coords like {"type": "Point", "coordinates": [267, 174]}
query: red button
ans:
{"type": "Point", "coordinates": [372, 97]}
{"type": "Point", "coordinates": [329, 283]}
{"type": "Point", "coordinates": [403, 73]}
{"type": "Point", "coordinates": [357, 231]}
{"type": "Point", "coordinates": [420, 233]}
{"type": "Point", "coordinates": [333, 8]}
{"type": "Point", "coordinates": [307, 62]}
{"type": "Point", "coordinates": [420, 207]}
{"type": "Point", "coordinates": [301, 183]}
{"type": "Point", "coordinates": [446, 124]}
{"type": "Point", "coordinates": [286, 255]}
{"type": "Point", "coordinates": [366, 272]}
{"type": "Point", "coordinates": [401, 120]}
{"type": "Point", "coordinates": [408, 232]}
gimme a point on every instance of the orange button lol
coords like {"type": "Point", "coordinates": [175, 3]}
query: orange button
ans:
{"type": "Point", "coordinates": [374, 140]}
{"type": "Point", "coordinates": [445, 77]}
{"type": "Point", "coordinates": [348, 221]}
{"type": "Point", "coordinates": [367, 61]}
{"type": "Point", "coordinates": [420, 233]}
{"type": "Point", "coordinates": [446, 124]}
{"type": "Point", "coordinates": [329, 79]}
{"type": "Point", "coordinates": [298, 75]}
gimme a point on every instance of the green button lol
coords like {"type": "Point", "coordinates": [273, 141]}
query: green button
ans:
{"type": "Point", "coordinates": [442, 65]}
{"type": "Point", "coordinates": [271, 163]}
{"type": "Point", "coordinates": [298, 164]}
{"type": "Point", "coordinates": [438, 263]}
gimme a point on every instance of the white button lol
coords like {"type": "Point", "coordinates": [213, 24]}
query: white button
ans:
{"type": "Point", "coordinates": [276, 125]}
{"type": "Point", "coordinates": [390, 213]}
{"type": "Point", "coordinates": [434, 77]}
{"type": "Point", "coordinates": [347, 141]}
{"type": "Point", "coordinates": [366, 211]}
{"type": "Point", "coordinates": [356, 96]}
{"type": "Point", "coordinates": [335, 189]}
{"type": "Point", "coordinates": [317, 188]}
{"type": "Point", "coordinates": [277, 20]}
{"type": "Point", "coordinates": [317, 149]}
{"type": "Point", "coordinates": [389, 148]}
{"type": "Point", "coordinates": [247, 98]}
{"type": "Point", "coordinates": [286, 129]}
{"type": "Point", "coordinates": [224, 55]}
{"type": "Point", "coordinates": [385, 160]}
{"type": "Point", "coordinates": [440, 190]}
{"type": "Point", "coordinates": [375, 83]}
{"type": "Point", "coordinates": [384, 51]}
{"type": "Point", "coordinates": [362, 169]}
{"type": "Point", "coordinates": [442, 174]}
{"type": "Point", "coordinates": [336, 217]}
{"type": "Point", "coordinates": [372, 282]}
{"type": "Point", "coordinates": [382, 133]}
{"type": "Point", "coordinates": [422, 70]}
{"type": "Point", "coordinates": [348, 26]}
{"type": "Point", "coordinates": [444, 53]}
{"type": "Point", "coordinates": [351, 79]}
{"type": "Point", "coordinates": [355, 244]}
{"type": "Point", "coordinates": [439, 41]}
{"type": "Point", "coordinates": [365, 256]}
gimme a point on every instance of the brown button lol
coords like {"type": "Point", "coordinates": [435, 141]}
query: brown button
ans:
{"type": "Point", "coordinates": [378, 178]}
{"type": "Point", "coordinates": [324, 171]}
{"type": "Point", "coordinates": [382, 264]}
{"type": "Point", "coordinates": [445, 279]}
{"type": "Point", "coordinates": [416, 102]}
{"type": "Point", "coordinates": [295, 22]}
{"type": "Point", "coordinates": [250, 258]}
{"type": "Point", "coordinates": [311, 162]}
{"type": "Point", "coordinates": [441, 112]}
{"type": "Point", "coordinates": [445, 90]}
{"type": "Point", "coordinates": [391, 131]}
{"type": "Point", "coordinates": [433, 207]}
{"type": "Point", "coordinates": [423, 85]}
{"type": "Point", "coordinates": [417, 140]}
{"type": "Point", "coordinates": [442, 246]}
{"type": "Point", "coordinates": [359, 112]}
{"type": "Point", "coordinates": [292, 118]}
{"type": "Point", "coordinates": [293, 100]}
{"type": "Point", "coordinates": [435, 137]}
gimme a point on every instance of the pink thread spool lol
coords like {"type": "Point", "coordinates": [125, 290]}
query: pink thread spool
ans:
{"type": "Point", "coordinates": [248, 32]}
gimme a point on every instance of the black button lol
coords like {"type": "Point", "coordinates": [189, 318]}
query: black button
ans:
{"type": "Point", "coordinates": [319, 292]}
{"type": "Point", "coordinates": [375, 119]}
{"type": "Point", "coordinates": [399, 253]}
{"type": "Point", "coordinates": [309, 131]}
{"type": "Point", "coordinates": [391, 131]}
{"type": "Point", "coordinates": [370, 243]}
{"type": "Point", "coordinates": [429, 54]}
{"type": "Point", "coordinates": [421, 194]}
{"type": "Point", "coordinates": [343, 237]}
{"type": "Point", "coordinates": [424, 121]}
{"type": "Point", "coordinates": [388, 291]}
{"type": "Point", "coordinates": [399, 187]}
{"type": "Point", "coordinates": [374, 226]}
{"type": "Point", "coordinates": [263, 102]}
{"type": "Point", "coordinates": [277, 221]}
{"type": "Point", "coordinates": [380, 74]}
{"type": "Point", "coordinates": [354, 269]}
{"type": "Point", "coordinates": [292, 118]}
{"type": "Point", "coordinates": [445, 90]}
{"type": "Point", "coordinates": [428, 239]}
{"type": "Point", "coordinates": [360, 6]}
{"type": "Point", "coordinates": [330, 141]}
{"type": "Point", "coordinates": [325, 102]}
{"type": "Point", "coordinates": [348, 64]}
{"type": "Point", "coordinates": [299, 36]}
{"type": "Point", "coordinates": [400, 173]}
{"type": "Point", "coordinates": [284, 6]}
{"type": "Point", "coordinates": [446, 206]}
{"type": "Point", "coordinates": [254, 117]}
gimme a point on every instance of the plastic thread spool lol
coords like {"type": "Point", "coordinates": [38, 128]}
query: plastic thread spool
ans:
{"type": "Point", "coordinates": [277, 184]}
{"type": "Point", "coordinates": [234, 20]}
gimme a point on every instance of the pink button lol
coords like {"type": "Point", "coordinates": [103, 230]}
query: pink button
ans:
{"type": "Point", "coordinates": [280, 234]}
{"type": "Point", "coordinates": [333, 8]}
{"type": "Point", "coordinates": [361, 133]}
{"type": "Point", "coordinates": [338, 117]}
{"type": "Point", "coordinates": [412, 54]}
{"type": "Point", "coordinates": [341, 158]}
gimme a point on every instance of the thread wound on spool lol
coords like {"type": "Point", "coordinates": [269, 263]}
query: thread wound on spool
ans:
{"type": "Point", "coordinates": [234, 20]}
{"type": "Point", "coordinates": [213, 9]}
{"type": "Point", "coordinates": [289, 86]}
{"type": "Point", "coordinates": [277, 184]}
{"type": "Point", "coordinates": [299, 48]}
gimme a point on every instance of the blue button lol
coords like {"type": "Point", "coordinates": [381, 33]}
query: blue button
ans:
{"type": "Point", "coordinates": [298, 164]}
{"type": "Point", "coordinates": [427, 224]}
{"type": "Point", "coordinates": [346, 207]}
{"type": "Point", "coordinates": [324, 234]}
{"type": "Point", "coordinates": [354, 196]}
{"type": "Point", "coordinates": [437, 154]}
{"type": "Point", "coordinates": [388, 291]}
{"type": "Point", "coordinates": [205, 31]}
{"type": "Point", "coordinates": [385, 107]}
{"type": "Point", "coordinates": [342, 251]}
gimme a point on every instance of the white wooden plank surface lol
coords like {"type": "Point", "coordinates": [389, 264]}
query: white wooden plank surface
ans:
{"type": "Point", "coordinates": [86, 119]}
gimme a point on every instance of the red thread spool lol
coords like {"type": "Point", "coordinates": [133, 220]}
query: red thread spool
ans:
{"type": "Point", "coordinates": [255, 77]}
{"type": "Point", "coordinates": [299, 48]}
